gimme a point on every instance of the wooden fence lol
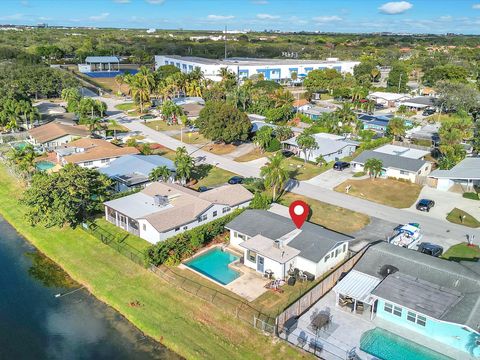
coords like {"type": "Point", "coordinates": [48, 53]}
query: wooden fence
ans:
{"type": "Point", "coordinates": [316, 293]}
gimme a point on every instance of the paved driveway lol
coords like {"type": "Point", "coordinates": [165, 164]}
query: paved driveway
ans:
{"type": "Point", "coordinates": [445, 201]}
{"type": "Point", "coordinates": [330, 178]}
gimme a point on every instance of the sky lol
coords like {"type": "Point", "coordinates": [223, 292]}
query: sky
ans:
{"type": "Point", "coordinates": [359, 16]}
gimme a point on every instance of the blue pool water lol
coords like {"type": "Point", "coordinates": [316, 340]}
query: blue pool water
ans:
{"type": "Point", "coordinates": [44, 165]}
{"type": "Point", "coordinates": [388, 346]}
{"type": "Point", "coordinates": [214, 264]}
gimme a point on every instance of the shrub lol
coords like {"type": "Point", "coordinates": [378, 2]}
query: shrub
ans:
{"type": "Point", "coordinates": [274, 145]}
{"type": "Point", "coordinates": [471, 196]}
{"type": "Point", "coordinates": [179, 247]}
{"type": "Point", "coordinates": [373, 144]}
{"type": "Point", "coordinates": [261, 201]}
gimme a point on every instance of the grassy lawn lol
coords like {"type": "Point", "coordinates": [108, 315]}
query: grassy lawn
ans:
{"type": "Point", "coordinates": [193, 328]}
{"type": "Point", "coordinates": [165, 152]}
{"type": "Point", "coordinates": [123, 236]}
{"type": "Point", "coordinates": [301, 171]}
{"type": "Point", "coordinates": [455, 216]}
{"type": "Point", "coordinates": [192, 138]}
{"type": "Point", "coordinates": [398, 194]}
{"type": "Point", "coordinates": [219, 149]}
{"type": "Point", "coordinates": [253, 155]}
{"type": "Point", "coordinates": [126, 106]}
{"type": "Point", "coordinates": [209, 175]}
{"type": "Point", "coordinates": [330, 216]}
{"type": "Point", "coordinates": [161, 125]}
{"type": "Point", "coordinates": [462, 252]}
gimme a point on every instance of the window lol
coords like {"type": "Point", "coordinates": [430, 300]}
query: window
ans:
{"type": "Point", "coordinates": [421, 320]}
{"type": "Point", "coordinates": [327, 257]}
{"type": "Point", "coordinates": [416, 318]}
{"type": "Point", "coordinates": [225, 209]}
{"type": "Point", "coordinates": [176, 229]}
{"type": "Point", "coordinates": [344, 247]}
{"type": "Point", "coordinates": [388, 308]}
{"type": "Point", "coordinates": [339, 152]}
{"type": "Point", "coordinates": [337, 252]}
{"type": "Point", "coordinates": [252, 256]}
{"type": "Point", "coordinates": [144, 227]}
{"type": "Point", "coordinates": [202, 218]}
{"type": "Point", "coordinates": [397, 311]}
{"type": "Point", "coordinates": [88, 163]}
{"type": "Point", "coordinates": [411, 316]}
{"type": "Point", "coordinates": [105, 161]}
{"type": "Point", "coordinates": [241, 236]}
{"type": "Point", "coordinates": [185, 227]}
{"type": "Point", "coordinates": [403, 172]}
{"type": "Point", "coordinates": [214, 213]}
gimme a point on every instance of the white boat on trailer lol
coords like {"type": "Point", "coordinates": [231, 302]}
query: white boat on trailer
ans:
{"type": "Point", "coordinates": [407, 236]}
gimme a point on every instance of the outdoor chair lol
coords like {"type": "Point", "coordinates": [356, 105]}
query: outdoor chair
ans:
{"type": "Point", "coordinates": [342, 302]}
{"type": "Point", "coordinates": [302, 339]}
{"type": "Point", "coordinates": [359, 308]}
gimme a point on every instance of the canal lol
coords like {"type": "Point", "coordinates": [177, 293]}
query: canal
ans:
{"type": "Point", "coordinates": [35, 324]}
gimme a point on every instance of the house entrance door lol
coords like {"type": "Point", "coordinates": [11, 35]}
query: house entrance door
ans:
{"type": "Point", "coordinates": [260, 264]}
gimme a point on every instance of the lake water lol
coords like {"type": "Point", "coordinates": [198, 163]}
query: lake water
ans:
{"type": "Point", "coordinates": [34, 324]}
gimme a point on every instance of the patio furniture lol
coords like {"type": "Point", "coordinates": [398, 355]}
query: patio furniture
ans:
{"type": "Point", "coordinates": [343, 302]}
{"type": "Point", "coordinates": [268, 274]}
{"type": "Point", "coordinates": [302, 339]}
{"type": "Point", "coordinates": [359, 308]}
{"type": "Point", "coordinates": [301, 276]}
{"type": "Point", "coordinates": [291, 281]}
{"type": "Point", "coordinates": [315, 345]}
{"type": "Point", "coordinates": [320, 321]}
{"type": "Point", "coordinates": [310, 277]}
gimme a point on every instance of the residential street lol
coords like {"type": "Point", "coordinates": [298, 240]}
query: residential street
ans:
{"type": "Point", "coordinates": [435, 230]}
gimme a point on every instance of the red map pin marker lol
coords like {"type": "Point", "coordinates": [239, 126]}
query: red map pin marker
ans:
{"type": "Point", "coordinates": [299, 211]}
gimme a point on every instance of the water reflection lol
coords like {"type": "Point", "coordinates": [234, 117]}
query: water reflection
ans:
{"type": "Point", "coordinates": [34, 324]}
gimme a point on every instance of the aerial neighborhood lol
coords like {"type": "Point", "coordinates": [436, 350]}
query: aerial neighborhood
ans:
{"type": "Point", "coordinates": [178, 174]}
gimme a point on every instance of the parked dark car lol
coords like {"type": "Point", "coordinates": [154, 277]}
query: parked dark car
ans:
{"type": "Point", "coordinates": [430, 249]}
{"type": "Point", "coordinates": [428, 112]}
{"type": "Point", "coordinates": [287, 153]}
{"type": "Point", "coordinates": [340, 165]}
{"type": "Point", "coordinates": [425, 205]}
{"type": "Point", "coordinates": [147, 117]}
{"type": "Point", "coordinates": [236, 142]}
{"type": "Point", "coordinates": [203, 189]}
{"type": "Point", "coordinates": [235, 180]}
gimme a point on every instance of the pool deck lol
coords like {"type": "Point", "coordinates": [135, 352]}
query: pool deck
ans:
{"type": "Point", "coordinates": [249, 285]}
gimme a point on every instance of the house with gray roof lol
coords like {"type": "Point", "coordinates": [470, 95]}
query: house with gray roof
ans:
{"type": "Point", "coordinates": [466, 175]}
{"type": "Point", "coordinates": [420, 297]}
{"type": "Point", "coordinates": [133, 171]}
{"type": "Point", "coordinates": [271, 243]}
{"type": "Point", "coordinates": [331, 147]}
{"type": "Point", "coordinates": [394, 165]}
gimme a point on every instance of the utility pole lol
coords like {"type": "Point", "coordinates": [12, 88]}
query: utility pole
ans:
{"type": "Point", "coordinates": [225, 39]}
{"type": "Point", "coordinates": [399, 82]}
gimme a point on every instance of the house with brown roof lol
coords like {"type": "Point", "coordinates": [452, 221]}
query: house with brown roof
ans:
{"type": "Point", "coordinates": [91, 153]}
{"type": "Point", "coordinates": [162, 210]}
{"type": "Point", "coordinates": [54, 134]}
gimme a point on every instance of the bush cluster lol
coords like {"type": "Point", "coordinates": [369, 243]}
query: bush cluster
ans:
{"type": "Point", "coordinates": [177, 248]}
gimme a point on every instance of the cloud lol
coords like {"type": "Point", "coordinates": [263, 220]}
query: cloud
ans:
{"type": "Point", "coordinates": [100, 17]}
{"type": "Point", "coordinates": [476, 6]}
{"type": "Point", "coordinates": [327, 19]}
{"type": "Point", "coordinates": [267, 17]}
{"type": "Point", "coordinates": [121, 1]}
{"type": "Point", "coordinates": [220, 17]}
{"type": "Point", "coordinates": [395, 7]}
{"type": "Point", "coordinates": [155, 2]}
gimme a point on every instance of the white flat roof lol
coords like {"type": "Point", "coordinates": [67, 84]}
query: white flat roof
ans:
{"type": "Point", "coordinates": [358, 286]}
{"type": "Point", "coordinates": [402, 151]}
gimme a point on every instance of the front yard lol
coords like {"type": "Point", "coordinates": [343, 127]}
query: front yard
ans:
{"type": "Point", "coordinates": [192, 138]}
{"type": "Point", "coordinates": [461, 217]}
{"type": "Point", "coordinates": [253, 155]}
{"type": "Point", "coordinates": [193, 328]}
{"type": "Point", "coordinates": [462, 252]}
{"type": "Point", "coordinates": [330, 216]}
{"type": "Point", "coordinates": [161, 125]}
{"type": "Point", "coordinates": [304, 171]}
{"type": "Point", "coordinates": [210, 176]}
{"type": "Point", "coordinates": [394, 193]}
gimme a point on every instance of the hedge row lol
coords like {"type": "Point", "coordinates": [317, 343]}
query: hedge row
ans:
{"type": "Point", "coordinates": [177, 248]}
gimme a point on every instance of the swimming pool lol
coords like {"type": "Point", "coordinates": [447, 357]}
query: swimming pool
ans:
{"type": "Point", "coordinates": [214, 264]}
{"type": "Point", "coordinates": [44, 165]}
{"type": "Point", "coordinates": [388, 346]}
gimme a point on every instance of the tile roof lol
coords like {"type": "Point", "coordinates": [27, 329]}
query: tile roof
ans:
{"type": "Point", "coordinates": [391, 161]}
{"type": "Point", "coordinates": [53, 130]}
{"type": "Point", "coordinates": [462, 277]}
{"type": "Point", "coordinates": [184, 205]}
{"type": "Point", "coordinates": [96, 149]}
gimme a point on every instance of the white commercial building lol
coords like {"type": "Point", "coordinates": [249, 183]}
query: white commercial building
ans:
{"type": "Point", "coordinates": [272, 69]}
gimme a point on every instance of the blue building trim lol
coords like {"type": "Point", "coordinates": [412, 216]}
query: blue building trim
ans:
{"type": "Point", "coordinates": [243, 73]}
{"type": "Point", "coordinates": [268, 72]}
{"type": "Point", "coordinates": [338, 68]}
{"type": "Point", "coordinates": [308, 69]}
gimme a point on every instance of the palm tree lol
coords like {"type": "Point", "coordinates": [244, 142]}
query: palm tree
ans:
{"type": "Point", "coordinates": [139, 93]}
{"type": "Point", "coordinates": [263, 137]}
{"type": "Point", "coordinates": [283, 97]}
{"type": "Point", "coordinates": [170, 110]}
{"type": "Point", "coordinates": [120, 80]}
{"type": "Point", "coordinates": [320, 160]}
{"type": "Point", "coordinates": [373, 167]}
{"type": "Point", "coordinates": [275, 174]}
{"type": "Point", "coordinates": [306, 143]}
{"type": "Point", "coordinates": [374, 74]}
{"type": "Point", "coordinates": [347, 116]}
{"type": "Point", "coordinates": [160, 173]}
{"type": "Point", "coordinates": [185, 165]}
{"type": "Point", "coordinates": [94, 124]}
{"type": "Point", "coordinates": [114, 124]}
{"type": "Point", "coordinates": [100, 107]}
{"type": "Point", "coordinates": [396, 127]}
{"type": "Point", "coordinates": [180, 152]}
{"type": "Point", "coordinates": [283, 133]}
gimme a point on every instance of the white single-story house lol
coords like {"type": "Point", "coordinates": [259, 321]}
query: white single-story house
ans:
{"type": "Point", "coordinates": [394, 166]}
{"type": "Point", "coordinates": [331, 147]}
{"type": "Point", "coordinates": [388, 99]}
{"type": "Point", "coordinates": [133, 171]}
{"type": "Point", "coordinates": [92, 153]}
{"type": "Point", "coordinates": [53, 134]}
{"type": "Point", "coordinates": [162, 210]}
{"type": "Point", "coordinates": [271, 243]}
{"type": "Point", "coordinates": [420, 102]}
{"type": "Point", "coordinates": [465, 174]}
